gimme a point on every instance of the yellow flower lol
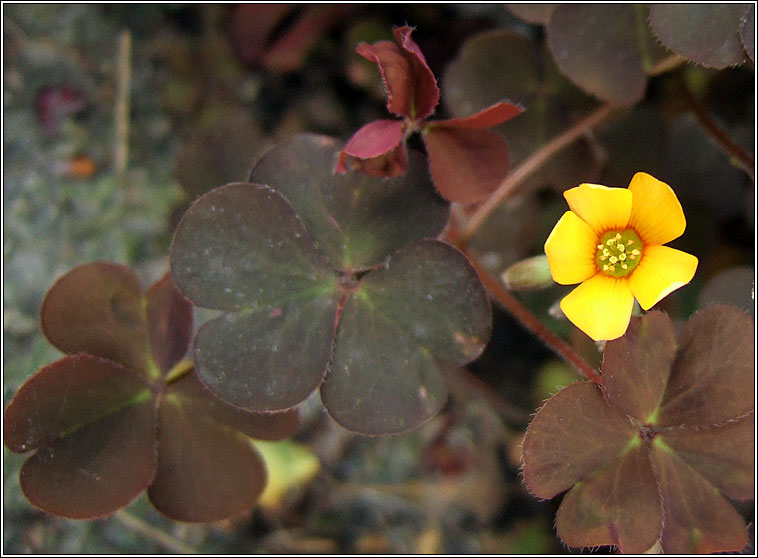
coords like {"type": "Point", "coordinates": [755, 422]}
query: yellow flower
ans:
{"type": "Point", "coordinates": [612, 243]}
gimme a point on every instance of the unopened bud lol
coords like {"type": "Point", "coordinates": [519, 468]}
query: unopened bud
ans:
{"type": "Point", "coordinates": [528, 275]}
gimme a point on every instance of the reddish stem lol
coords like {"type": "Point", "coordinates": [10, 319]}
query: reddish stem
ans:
{"type": "Point", "coordinates": [530, 321]}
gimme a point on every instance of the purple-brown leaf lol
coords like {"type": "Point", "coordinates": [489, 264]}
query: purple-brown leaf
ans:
{"type": "Point", "coordinates": [696, 518]}
{"type": "Point", "coordinates": [636, 366]}
{"type": "Point", "coordinates": [571, 436]}
{"type": "Point", "coordinates": [426, 94]}
{"type": "Point", "coordinates": [712, 379]}
{"type": "Point", "coordinates": [466, 165]}
{"type": "Point", "coordinates": [618, 506]}
{"type": "Point", "coordinates": [396, 72]}
{"type": "Point", "coordinates": [96, 470]}
{"type": "Point", "coordinates": [96, 308]}
{"type": "Point", "coordinates": [169, 320]}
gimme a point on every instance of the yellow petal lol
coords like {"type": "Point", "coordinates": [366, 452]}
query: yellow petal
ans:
{"type": "Point", "coordinates": [601, 307]}
{"type": "Point", "coordinates": [657, 215]}
{"type": "Point", "coordinates": [602, 208]}
{"type": "Point", "coordinates": [660, 271]}
{"type": "Point", "coordinates": [571, 249]}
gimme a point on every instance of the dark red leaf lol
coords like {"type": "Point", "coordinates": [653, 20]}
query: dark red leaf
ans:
{"type": "Point", "coordinates": [618, 505]}
{"type": "Point", "coordinates": [466, 165]}
{"type": "Point", "coordinates": [97, 308]}
{"type": "Point", "coordinates": [696, 518]}
{"type": "Point", "coordinates": [391, 164]}
{"type": "Point", "coordinates": [426, 94]}
{"type": "Point", "coordinates": [571, 436]}
{"type": "Point", "coordinates": [169, 318]}
{"type": "Point", "coordinates": [396, 72]}
{"type": "Point", "coordinates": [198, 400]}
{"type": "Point", "coordinates": [373, 140]}
{"type": "Point", "coordinates": [636, 366]}
{"type": "Point", "coordinates": [96, 470]}
{"type": "Point", "coordinates": [206, 472]}
{"type": "Point", "coordinates": [486, 118]}
{"type": "Point", "coordinates": [66, 396]}
{"type": "Point", "coordinates": [713, 378]}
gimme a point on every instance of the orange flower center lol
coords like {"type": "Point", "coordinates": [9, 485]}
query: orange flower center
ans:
{"type": "Point", "coordinates": [618, 253]}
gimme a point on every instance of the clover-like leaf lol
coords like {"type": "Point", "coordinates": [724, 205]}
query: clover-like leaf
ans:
{"type": "Point", "coordinates": [672, 441]}
{"type": "Point", "coordinates": [356, 220]}
{"type": "Point", "coordinates": [105, 429]}
{"type": "Point", "coordinates": [605, 49]}
{"type": "Point", "coordinates": [92, 423]}
{"type": "Point", "coordinates": [96, 309]}
{"type": "Point", "coordinates": [329, 274]}
{"type": "Point", "coordinates": [425, 305]}
{"type": "Point", "coordinates": [705, 33]}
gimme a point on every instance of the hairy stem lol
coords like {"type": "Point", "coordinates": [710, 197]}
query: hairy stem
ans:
{"type": "Point", "coordinates": [530, 321]}
{"type": "Point", "coordinates": [529, 167]}
{"type": "Point", "coordinates": [745, 159]}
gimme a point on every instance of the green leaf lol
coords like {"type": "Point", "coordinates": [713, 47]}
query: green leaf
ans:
{"type": "Point", "coordinates": [571, 436]}
{"type": "Point", "coordinates": [636, 366]}
{"type": "Point", "coordinates": [696, 518]}
{"type": "Point", "coordinates": [705, 33]}
{"type": "Point", "coordinates": [618, 505]}
{"type": "Point", "coordinates": [97, 309]}
{"type": "Point", "coordinates": [241, 246]}
{"type": "Point", "coordinates": [712, 380]}
{"type": "Point", "coordinates": [604, 49]}
{"type": "Point", "coordinates": [355, 219]}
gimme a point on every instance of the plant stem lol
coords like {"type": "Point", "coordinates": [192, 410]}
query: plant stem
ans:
{"type": "Point", "coordinates": [124, 78]}
{"type": "Point", "coordinates": [164, 539]}
{"type": "Point", "coordinates": [529, 167]}
{"type": "Point", "coordinates": [530, 321]}
{"type": "Point", "coordinates": [745, 159]}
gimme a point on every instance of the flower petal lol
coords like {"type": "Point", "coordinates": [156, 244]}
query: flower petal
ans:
{"type": "Point", "coordinates": [661, 271]}
{"type": "Point", "coordinates": [570, 250]}
{"type": "Point", "coordinates": [601, 307]}
{"type": "Point", "coordinates": [657, 215]}
{"type": "Point", "coordinates": [601, 207]}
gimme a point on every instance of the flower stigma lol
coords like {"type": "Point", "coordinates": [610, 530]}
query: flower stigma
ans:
{"type": "Point", "coordinates": [618, 253]}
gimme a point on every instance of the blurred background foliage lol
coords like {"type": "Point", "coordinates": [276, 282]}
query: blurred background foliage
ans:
{"type": "Point", "coordinates": [211, 87]}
